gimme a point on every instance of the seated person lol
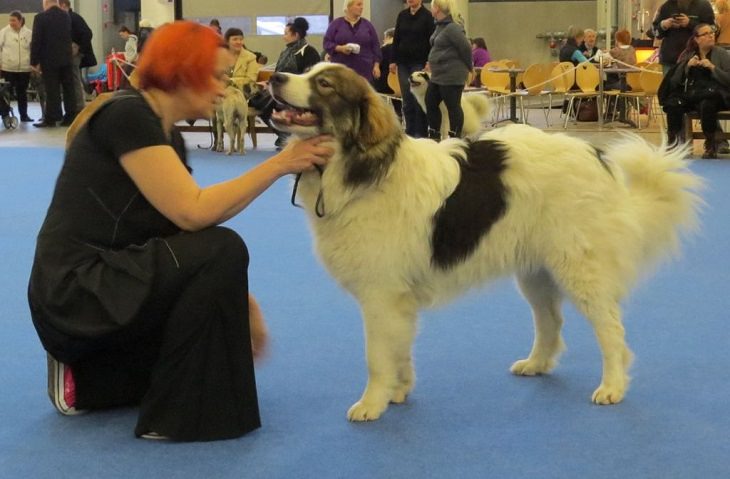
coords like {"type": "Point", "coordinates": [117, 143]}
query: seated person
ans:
{"type": "Point", "coordinates": [705, 67]}
{"type": "Point", "coordinates": [246, 69]}
{"type": "Point", "coordinates": [588, 48]}
{"type": "Point", "coordinates": [479, 53]}
{"type": "Point", "coordinates": [571, 50]}
{"type": "Point", "coordinates": [624, 54]}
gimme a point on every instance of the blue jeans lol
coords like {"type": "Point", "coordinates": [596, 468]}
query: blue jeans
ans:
{"type": "Point", "coordinates": [415, 117]}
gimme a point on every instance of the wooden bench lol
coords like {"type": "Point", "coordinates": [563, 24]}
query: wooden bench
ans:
{"type": "Point", "coordinates": [252, 130]}
{"type": "Point", "coordinates": [691, 134]}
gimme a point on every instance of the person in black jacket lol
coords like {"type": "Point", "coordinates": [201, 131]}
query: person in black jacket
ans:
{"type": "Point", "coordinates": [83, 53]}
{"type": "Point", "coordinates": [673, 24]}
{"type": "Point", "coordinates": [51, 55]}
{"type": "Point", "coordinates": [411, 46]}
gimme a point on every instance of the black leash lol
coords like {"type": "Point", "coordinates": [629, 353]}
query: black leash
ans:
{"type": "Point", "coordinates": [319, 205]}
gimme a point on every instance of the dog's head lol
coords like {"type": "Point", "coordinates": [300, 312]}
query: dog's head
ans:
{"type": "Point", "coordinates": [333, 99]}
{"type": "Point", "coordinates": [419, 82]}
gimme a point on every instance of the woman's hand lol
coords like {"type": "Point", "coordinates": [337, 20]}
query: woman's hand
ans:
{"type": "Point", "coordinates": [706, 63]}
{"type": "Point", "coordinates": [344, 49]}
{"type": "Point", "coordinates": [304, 155]}
{"type": "Point", "coordinates": [694, 61]}
{"type": "Point", "coordinates": [257, 326]}
{"type": "Point", "coordinates": [376, 71]}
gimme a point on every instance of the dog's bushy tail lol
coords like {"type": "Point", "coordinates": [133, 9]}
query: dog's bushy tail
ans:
{"type": "Point", "coordinates": [482, 105]}
{"type": "Point", "coordinates": [664, 193]}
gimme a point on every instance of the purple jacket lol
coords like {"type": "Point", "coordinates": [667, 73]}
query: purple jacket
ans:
{"type": "Point", "coordinates": [480, 57]}
{"type": "Point", "coordinates": [363, 33]}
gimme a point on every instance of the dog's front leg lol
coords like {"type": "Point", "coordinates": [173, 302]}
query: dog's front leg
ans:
{"type": "Point", "coordinates": [390, 327]}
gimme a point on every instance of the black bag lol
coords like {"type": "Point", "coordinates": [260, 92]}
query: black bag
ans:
{"type": "Point", "coordinates": [588, 110]}
{"type": "Point", "coordinates": [260, 100]}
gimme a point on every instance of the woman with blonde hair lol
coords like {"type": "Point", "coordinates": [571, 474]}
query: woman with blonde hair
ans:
{"type": "Point", "coordinates": [352, 41]}
{"type": "Point", "coordinates": [722, 21]}
{"type": "Point", "coordinates": [449, 62]}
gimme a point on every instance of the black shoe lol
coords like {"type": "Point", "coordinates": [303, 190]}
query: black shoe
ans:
{"type": "Point", "coordinates": [45, 124]}
{"type": "Point", "coordinates": [66, 123]}
{"type": "Point", "coordinates": [26, 119]}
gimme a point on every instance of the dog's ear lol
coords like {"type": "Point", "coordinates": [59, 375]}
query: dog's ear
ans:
{"type": "Point", "coordinates": [377, 119]}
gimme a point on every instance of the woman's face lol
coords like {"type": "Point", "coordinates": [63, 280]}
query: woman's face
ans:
{"type": "Point", "coordinates": [235, 43]}
{"type": "Point", "coordinates": [355, 9]}
{"type": "Point", "coordinates": [413, 4]}
{"type": "Point", "coordinates": [590, 39]}
{"type": "Point", "coordinates": [705, 37]}
{"type": "Point", "coordinates": [289, 35]}
{"type": "Point", "coordinates": [435, 10]}
{"type": "Point", "coordinates": [14, 23]}
{"type": "Point", "coordinates": [202, 103]}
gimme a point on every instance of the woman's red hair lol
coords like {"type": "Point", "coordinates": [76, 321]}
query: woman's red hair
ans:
{"type": "Point", "coordinates": [179, 54]}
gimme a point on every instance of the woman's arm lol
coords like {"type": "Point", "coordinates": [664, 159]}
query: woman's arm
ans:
{"type": "Point", "coordinates": [168, 186]}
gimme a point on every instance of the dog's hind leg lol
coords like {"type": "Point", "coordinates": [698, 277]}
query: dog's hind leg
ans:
{"type": "Point", "coordinates": [596, 289]}
{"type": "Point", "coordinates": [545, 298]}
{"type": "Point", "coordinates": [390, 328]}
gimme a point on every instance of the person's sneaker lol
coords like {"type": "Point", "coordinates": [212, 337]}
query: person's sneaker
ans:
{"type": "Point", "coordinates": [61, 387]}
{"type": "Point", "coordinates": [153, 436]}
{"type": "Point", "coordinates": [26, 119]}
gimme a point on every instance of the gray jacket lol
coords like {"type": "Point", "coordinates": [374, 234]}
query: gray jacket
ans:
{"type": "Point", "coordinates": [720, 58]}
{"type": "Point", "coordinates": [450, 57]}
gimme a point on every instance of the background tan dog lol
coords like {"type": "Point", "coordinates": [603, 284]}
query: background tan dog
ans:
{"type": "Point", "coordinates": [231, 114]}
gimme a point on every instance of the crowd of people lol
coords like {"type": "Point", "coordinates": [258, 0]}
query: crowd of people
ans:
{"type": "Point", "coordinates": [137, 292]}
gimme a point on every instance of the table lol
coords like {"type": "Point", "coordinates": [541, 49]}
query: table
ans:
{"type": "Point", "coordinates": [513, 72]}
{"type": "Point", "coordinates": [602, 71]}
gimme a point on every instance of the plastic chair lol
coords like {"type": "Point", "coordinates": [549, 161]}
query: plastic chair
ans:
{"type": "Point", "coordinates": [587, 78]}
{"type": "Point", "coordinates": [534, 80]}
{"type": "Point", "coordinates": [646, 88]}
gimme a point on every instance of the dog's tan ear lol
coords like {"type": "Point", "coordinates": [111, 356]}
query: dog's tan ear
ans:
{"type": "Point", "coordinates": [84, 115]}
{"type": "Point", "coordinates": [377, 119]}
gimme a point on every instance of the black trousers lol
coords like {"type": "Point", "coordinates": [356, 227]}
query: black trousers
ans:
{"type": "Point", "coordinates": [19, 84]}
{"type": "Point", "coordinates": [451, 96]}
{"type": "Point", "coordinates": [187, 360]}
{"type": "Point", "coordinates": [55, 79]}
{"type": "Point", "coordinates": [707, 108]}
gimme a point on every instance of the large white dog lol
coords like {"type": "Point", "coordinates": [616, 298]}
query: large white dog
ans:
{"type": "Point", "coordinates": [474, 105]}
{"type": "Point", "coordinates": [404, 224]}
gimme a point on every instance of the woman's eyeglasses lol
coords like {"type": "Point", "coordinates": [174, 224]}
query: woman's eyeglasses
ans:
{"type": "Point", "coordinates": [705, 34]}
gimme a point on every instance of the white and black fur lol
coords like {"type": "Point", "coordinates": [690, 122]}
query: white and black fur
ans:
{"type": "Point", "coordinates": [410, 223]}
{"type": "Point", "coordinates": [476, 106]}
{"type": "Point", "coordinates": [231, 116]}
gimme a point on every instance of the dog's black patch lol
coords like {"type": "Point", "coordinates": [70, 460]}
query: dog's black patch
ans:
{"type": "Point", "coordinates": [366, 167]}
{"type": "Point", "coordinates": [475, 205]}
{"type": "Point", "coordinates": [602, 161]}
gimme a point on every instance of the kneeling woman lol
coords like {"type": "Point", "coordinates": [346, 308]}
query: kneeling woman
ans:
{"type": "Point", "coordinates": [137, 294]}
{"type": "Point", "coordinates": [701, 82]}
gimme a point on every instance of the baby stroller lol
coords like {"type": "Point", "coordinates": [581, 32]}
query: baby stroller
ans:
{"type": "Point", "coordinates": [10, 121]}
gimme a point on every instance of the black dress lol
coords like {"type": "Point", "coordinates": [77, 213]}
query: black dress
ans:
{"type": "Point", "coordinates": [143, 312]}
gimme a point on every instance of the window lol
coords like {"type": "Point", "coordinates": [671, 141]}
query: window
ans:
{"type": "Point", "coordinates": [274, 25]}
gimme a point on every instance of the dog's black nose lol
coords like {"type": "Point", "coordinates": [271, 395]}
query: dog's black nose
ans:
{"type": "Point", "coordinates": [278, 79]}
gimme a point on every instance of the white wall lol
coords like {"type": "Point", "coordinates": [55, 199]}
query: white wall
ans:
{"type": "Point", "coordinates": [157, 11]}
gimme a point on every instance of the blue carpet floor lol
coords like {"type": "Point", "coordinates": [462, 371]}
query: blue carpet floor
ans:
{"type": "Point", "coordinates": [467, 418]}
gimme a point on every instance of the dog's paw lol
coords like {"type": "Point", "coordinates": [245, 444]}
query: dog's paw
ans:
{"type": "Point", "coordinates": [364, 411]}
{"type": "Point", "coordinates": [529, 367]}
{"type": "Point", "coordinates": [400, 395]}
{"type": "Point", "coordinates": [605, 395]}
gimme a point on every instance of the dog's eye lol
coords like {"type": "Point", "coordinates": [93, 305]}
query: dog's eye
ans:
{"type": "Point", "coordinates": [324, 83]}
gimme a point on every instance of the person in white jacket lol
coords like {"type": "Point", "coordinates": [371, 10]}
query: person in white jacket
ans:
{"type": "Point", "coordinates": [15, 59]}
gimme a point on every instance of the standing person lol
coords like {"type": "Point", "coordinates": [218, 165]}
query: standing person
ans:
{"type": "Point", "coordinates": [51, 54]}
{"type": "Point", "coordinates": [353, 41]}
{"type": "Point", "coordinates": [411, 45]}
{"type": "Point", "coordinates": [83, 53]}
{"type": "Point", "coordinates": [449, 63]}
{"type": "Point", "coordinates": [246, 69]}
{"type": "Point", "coordinates": [136, 292]}
{"type": "Point", "coordinates": [298, 57]}
{"type": "Point", "coordinates": [673, 25]}
{"type": "Point", "coordinates": [700, 82]}
{"type": "Point", "coordinates": [145, 30]}
{"type": "Point", "coordinates": [15, 42]}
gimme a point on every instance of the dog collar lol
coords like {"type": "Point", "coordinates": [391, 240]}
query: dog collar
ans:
{"type": "Point", "coordinates": [319, 205]}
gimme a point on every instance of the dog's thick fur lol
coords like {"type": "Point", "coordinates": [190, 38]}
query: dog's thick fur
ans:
{"type": "Point", "coordinates": [476, 106]}
{"type": "Point", "coordinates": [404, 224]}
{"type": "Point", "coordinates": [231, 114]}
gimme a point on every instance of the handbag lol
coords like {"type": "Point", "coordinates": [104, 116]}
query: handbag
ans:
{"type": "Point", "coordinates": [260, 100]}
{"type": "Point", "coordinates": [588, 110]}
